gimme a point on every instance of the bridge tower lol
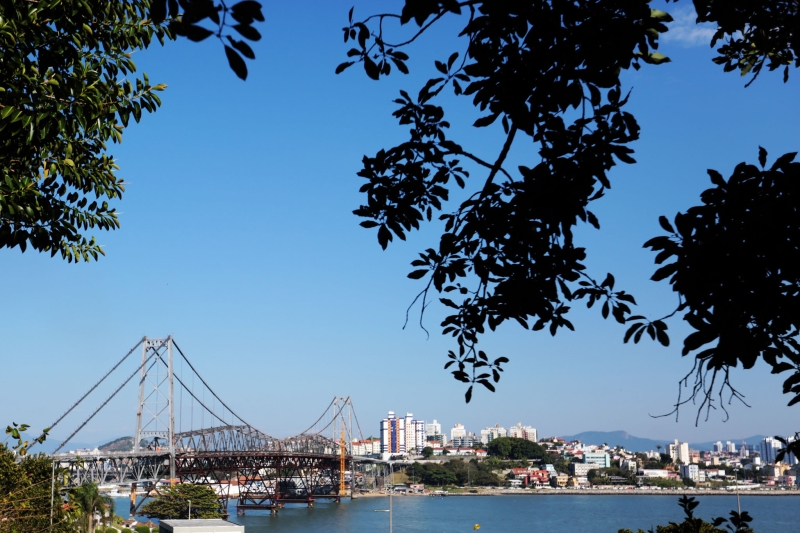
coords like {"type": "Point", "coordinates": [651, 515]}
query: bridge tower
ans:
{"type": "Point", "coordinates": [155, 410]}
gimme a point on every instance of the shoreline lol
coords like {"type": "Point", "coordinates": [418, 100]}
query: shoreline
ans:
{"type": "Point", "coordinates": [594, 492]}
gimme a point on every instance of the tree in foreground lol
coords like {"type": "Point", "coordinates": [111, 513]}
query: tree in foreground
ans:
{"type": "Point", "coordinates": [25, 495]}
{"type": "Point", "coordinates": [173, 502]}
{"type": "Point", "coordinates": [547, 74]}
{"type": "Point", "coordinates": [88, 500]}
{"type": "Point", "coordinates": [737, 523]}
{"type": "Point", "coordinates": [68, 90]}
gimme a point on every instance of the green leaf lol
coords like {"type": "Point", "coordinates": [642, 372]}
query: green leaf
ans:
{"type": "Point", "coordinates": [236, 63]}
{"type": "Point", "coordinates": [418, 274]}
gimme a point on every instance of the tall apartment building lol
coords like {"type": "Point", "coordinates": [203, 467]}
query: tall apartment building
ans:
{"type": "Point", "coordinates": [489, 434]}
{"type": "Point", "coordinates": [417, 430]}
{"type": "Point", "coordinates": [730, 447]}
{"type": "Point", "coordinates": [393, 434]}
{"type": "Point", "coordinates": [523, 432]}
{"type": "Point", "coordinates": [680, 452]}
{"type": "Point", "coordinates": [410, 442]}
{"type": "Point", "coordinates": [718, 446]}
{"type": "Point", "coordinates": [769, 449]}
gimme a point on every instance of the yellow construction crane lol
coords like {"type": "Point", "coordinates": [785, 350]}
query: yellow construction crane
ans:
{"type": "Point", "coordinates": [342, 466]}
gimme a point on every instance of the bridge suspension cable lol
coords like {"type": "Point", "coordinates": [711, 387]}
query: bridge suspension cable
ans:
{"type": "Point", "coordinates": [208, 387]}
{"type": "Point", "coordinates": [138, 369]}
{"type": "Point", "coordinates": [74, 405]}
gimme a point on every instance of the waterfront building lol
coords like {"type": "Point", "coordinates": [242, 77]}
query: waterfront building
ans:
{"type": "Point", "coordinates": [490, 433]}
{"type": "Point", "coordinates": [599, 459]}
{"type": "Point", "coordinates": [650, 473]}
{"type": "Point", "coordinates": [523, 432]}
{"type": "Point", "coordinates": [690, 471]}
{"type": "Point", "coordinates": [393, 434]}
{"type": "Point", "coordinates": [581, 469]}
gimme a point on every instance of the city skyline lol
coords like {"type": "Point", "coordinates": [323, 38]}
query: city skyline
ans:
{"type": "Point", "coordinates": [238, 238]}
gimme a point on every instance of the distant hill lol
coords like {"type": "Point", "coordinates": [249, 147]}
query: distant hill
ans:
{"type": "Point", "coordinates": [617, 438]}
{"type": "Point", "coordinates": [640, 444]}
{"type": "Point", "coordinates": [122, 444]}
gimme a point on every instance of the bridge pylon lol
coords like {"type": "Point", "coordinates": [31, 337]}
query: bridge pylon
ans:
{"type": "Point", "coordinates": [155, 410]}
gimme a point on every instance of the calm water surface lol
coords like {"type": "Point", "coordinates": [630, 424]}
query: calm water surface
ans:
{"type": "Point", "coordinates": [545, 514]}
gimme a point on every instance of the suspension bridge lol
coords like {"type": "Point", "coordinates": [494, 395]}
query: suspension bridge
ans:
{"type": "Point", "coordinates": [186, 433]}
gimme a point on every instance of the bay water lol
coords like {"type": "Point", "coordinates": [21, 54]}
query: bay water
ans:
{"type": "Point", "coordinates": [536, 513]}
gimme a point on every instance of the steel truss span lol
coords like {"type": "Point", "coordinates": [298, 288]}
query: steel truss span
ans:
{"type": "Point", "coordinates": [222, 450]}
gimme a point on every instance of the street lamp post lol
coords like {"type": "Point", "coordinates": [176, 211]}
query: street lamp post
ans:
{"type": "Point", "coordinates": [190, 509]}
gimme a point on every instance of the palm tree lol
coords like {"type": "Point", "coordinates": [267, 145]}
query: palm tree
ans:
{"type": "Point", "coordinates": [90, 501]}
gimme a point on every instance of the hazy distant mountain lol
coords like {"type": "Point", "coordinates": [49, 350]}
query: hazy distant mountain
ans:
{"type": "Point", "coordinates": [618, 438]}
{"type": "Point", "coordinates": [122, 444]}
{"type": "Point", "coordinates": [639, 444]}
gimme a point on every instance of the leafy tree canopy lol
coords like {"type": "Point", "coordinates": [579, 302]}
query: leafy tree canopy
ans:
{"type": "Point", "coordinates": [173, 502]}
{"type": "Point", "coordinates": [68, 90]}
{"type": "Point", "coordinates": [548, 74]}
{"type": "Point", "coordinates": [25, 495]}
{"type": "Point", "coordinates": [515, 448]}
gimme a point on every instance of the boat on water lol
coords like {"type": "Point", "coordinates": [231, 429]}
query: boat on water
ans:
{"type": "Point", "coordinates": [381, 510]}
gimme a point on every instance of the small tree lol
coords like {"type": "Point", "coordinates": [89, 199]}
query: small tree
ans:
{"type": "Point", "coordinates": [427, 452]}
{"type": "Point", "coordinates": [90, 501]}
{"type": "Point", "coordinates": [173, 502]}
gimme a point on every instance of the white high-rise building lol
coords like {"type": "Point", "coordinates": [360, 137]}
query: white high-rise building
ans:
{"type": "Point", "coordinates": [410, 443]}
{"type": "Point", "coordinates": [434, 428]}
{"type": "Point", "coordinates": [718, 446]}
{"type": "Point", "coordinates": [458, 432]}
{"type": "Point", "coordinates": [489, 434]}
{"type": "Point", "coordinates": [419, 436]}
{"type": "Point", "coordinates": [680, 452]}
{"type": "Point", "coordinates": [523, 432]}
{"type": "Point", "coordinates": [730, 447]}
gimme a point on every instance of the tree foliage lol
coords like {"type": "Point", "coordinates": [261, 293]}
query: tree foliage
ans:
{"type": "Point", "coordinates": [88, 500]}
{"type": "Point", "coordinates": [68, 90]}
{"type": "Point", "coordinates": [173, 502]}
{"type": "Point", "coordinates": [549, 73]}
{"type": "Point", "coordinates": [515, 448]}
{"type": "Point", "coordinates": [737, 523]}
{"type": "Point", "coordinates": [25, 495]}
{"type": "Point", "coordinates": [456, 472]}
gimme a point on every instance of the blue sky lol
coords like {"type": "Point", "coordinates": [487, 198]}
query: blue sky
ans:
{"type": "Point", "coordinates": [238, 239]}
